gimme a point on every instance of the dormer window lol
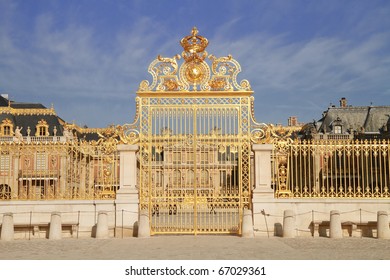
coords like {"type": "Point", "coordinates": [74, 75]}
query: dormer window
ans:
{"type": "Point", "coordinates": [42, 131]}
{"type": "Point", "coordinates": [337, 126]}
{"type": "Point", "coordinates": [337, 129]}
{"type": "Point", "coordinates": [42, 128]}
{"type": "Point", "coordinates": [6, 128]}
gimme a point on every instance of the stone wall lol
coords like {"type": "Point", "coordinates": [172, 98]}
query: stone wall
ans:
{"type": "Point", "coordinates": [32, 218]}
{"type": "Point", "coordinates": [268, 215]}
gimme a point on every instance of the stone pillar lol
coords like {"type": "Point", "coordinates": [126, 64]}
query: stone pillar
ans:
{"type": "Point", "coordinates": [262, 153]}
{"type": "Point", "coordinates": [247, 224]}
{"type": "Point", "coordinates": [7, 227]}
{"type": "Point", "coordinates": [383, 231]}
{"type": "Point", "coordinates": [55, 231]}
{"type": "Point", "coordinates": [144, 224]}
{"type": "Point", "coordinates": [127, 199]}
{"type": "Point", "coordinates": [288, 224]}
{"type": "Point", "coordinates": [335, 230]}
{"type": "Point", "coordinates": [102, 225]}
{"type": "Point", "coordinates": [262, 190]}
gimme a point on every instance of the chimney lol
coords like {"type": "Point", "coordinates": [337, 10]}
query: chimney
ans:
{"type": "Point", "coordinates": [292, 121]}
{"type": "Point", "coordinates": [343, 102]}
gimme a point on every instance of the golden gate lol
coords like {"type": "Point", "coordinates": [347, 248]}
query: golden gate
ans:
{"type": "Point", "coordinates": [194, 140]}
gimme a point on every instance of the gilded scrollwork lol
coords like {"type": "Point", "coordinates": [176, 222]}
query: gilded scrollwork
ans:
{"type": "Point", "coordinates": [194, 73]}
{"type": "Point", "coordinates": [160, 67]}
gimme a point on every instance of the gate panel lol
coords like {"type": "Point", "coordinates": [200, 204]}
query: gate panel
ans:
{"type": "Point", "coordinates": [194, 138]}
{"type": "Point", "coordinates": [191, 168]}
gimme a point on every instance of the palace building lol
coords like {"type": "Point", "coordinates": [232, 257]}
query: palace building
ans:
{"type": "Point", "coordinates": [351, 122]}
{"type": "Point", "coordinates": [193, 161]}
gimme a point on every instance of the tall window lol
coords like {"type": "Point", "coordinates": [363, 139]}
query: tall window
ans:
{"type": "Point", "coordinates": [190, 179]}
{"type": "Point", "coordinates": [4, 162]}
{"type": "Point", "coordinates": [190, 158]}
{"type": "Point", "coordinates": [40, 161]}
{"type": "Point", "coordinates": [176, 177]}
{"type": "Point", "coordinates": [204, 177]}
{"type": "Point", "coordinates": [204, 157]}
{"type": "Point", "coordinates": [176, 157]}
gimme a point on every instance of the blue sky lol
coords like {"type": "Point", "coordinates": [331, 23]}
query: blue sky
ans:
{"type": "Point", "coordinates": [88, 57]}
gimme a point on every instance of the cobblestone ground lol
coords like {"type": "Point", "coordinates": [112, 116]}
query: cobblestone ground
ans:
{"type": "Point", "coordinates": [198, 248]}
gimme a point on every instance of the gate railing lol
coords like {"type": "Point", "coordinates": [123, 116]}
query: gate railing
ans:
{"type": "Point", "coordinates": [59, 170]}
{"type": "Point", "coordinates": [331, 168]}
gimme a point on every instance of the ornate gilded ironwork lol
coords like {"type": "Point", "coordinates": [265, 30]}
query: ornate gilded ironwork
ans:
{"type": "Point", "coordinates": [194, 74]}
{"type": "Point", "coordinates": [194, 138]}
{"type": "Point", "coordinates": [332, 169]}
{"type": "Point", "coordinates": [55, 168]}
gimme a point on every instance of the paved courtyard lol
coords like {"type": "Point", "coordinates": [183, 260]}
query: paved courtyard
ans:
{"type": "Point", "coordinates": [198, 248]}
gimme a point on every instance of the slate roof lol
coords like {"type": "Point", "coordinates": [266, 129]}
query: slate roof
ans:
{"type": "Point", "coordinates": [3, 101]}
{"type": "Point", "coordinates": [368, 119]}
{"type": "Point", "coordinates": [30, 120]}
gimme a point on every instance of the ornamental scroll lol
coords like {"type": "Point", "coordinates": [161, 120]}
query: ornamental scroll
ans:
{"type": "Point", "coordinates": [194, 74]}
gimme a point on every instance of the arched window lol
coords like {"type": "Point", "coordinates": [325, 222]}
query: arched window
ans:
{"type": "Point", "coordinates": [176, 177]}
{"type": "Point", "coordinates": [190, 179]}
{"type": "Point", "coordinates": [5, 192]}
{"type": "Point", "coordinates": [204, 177]}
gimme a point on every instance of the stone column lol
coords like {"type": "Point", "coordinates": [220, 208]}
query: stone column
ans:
{"type": "Point", "coordinates": [335, 230]}
{"type": "Point", "coordinates": [55, 231]}
{"type": "Point", "coordinates": [247, 224]}
{"type": "Point", "coordinates": [144, 224]}
{"type": "Point", "coordinates": [383, 231]}
{"type": "Point", "coordinates": [7, 227]}
{"type": "Point", "coordinates": [288, 224]}
{"type": "Point", "coordinates": [102, 225]}
{"type": "Point", "coordinates": [127, 199]}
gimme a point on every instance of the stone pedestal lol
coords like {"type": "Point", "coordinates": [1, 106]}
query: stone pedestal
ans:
{"type": "Point", "coordinates": [247, 224]}
{"type": "Point", "coordinates": [383, 230]}
{"type": "Point", "coordinates": [144, 224]}
{"type": "Point", "coordinates": [55, 230]}
{"type": "Point", "coordinates": [102, 225]}
{"type": "Point", "coordinates": [262, 182]}
{"type": "Point", "coordinates": [127, 199]}
{"type": "Point", "coordinates": [7, 227]}
{"type": "Point", "coordinates": [335, 230]}
{"type": "Point", "coordinates": [262, 155]}
{"type": "Point", "coordinates": [288, 224]}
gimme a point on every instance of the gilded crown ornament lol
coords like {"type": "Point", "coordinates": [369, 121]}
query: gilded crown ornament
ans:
{"type": "Point", "coordinates": [194, 46]}
{"type": "Point", "coordinates": [194, 74]}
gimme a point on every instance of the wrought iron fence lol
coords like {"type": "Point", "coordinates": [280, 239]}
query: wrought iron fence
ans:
{"type": "Point", "coordinates": [53, 170]}
{"type": "Point", "coordinates": [331, 168]}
